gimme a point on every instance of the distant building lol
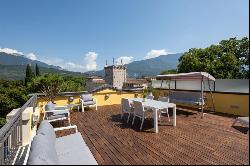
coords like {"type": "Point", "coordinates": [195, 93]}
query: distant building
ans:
{"type": "Point", "coordinates": [135, 84]}
{"type": "Point", "coordinates": [94, 82]}
{"type": "Point", "coordinates": [115, 75]}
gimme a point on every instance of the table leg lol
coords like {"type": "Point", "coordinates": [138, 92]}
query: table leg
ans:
{"type": "Point", "coordinates": [174, 116]}
{"type": "Point", "coordinates": [156, 120]}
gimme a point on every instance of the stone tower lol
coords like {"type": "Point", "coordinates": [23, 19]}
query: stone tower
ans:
{"type": "Point", "coordinates": [115, 75]}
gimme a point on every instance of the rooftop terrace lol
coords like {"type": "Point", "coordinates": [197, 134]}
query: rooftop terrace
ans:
{"type": "Point", "coordinates": [211, 140]}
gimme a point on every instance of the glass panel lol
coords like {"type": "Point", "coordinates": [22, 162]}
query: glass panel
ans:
{"type": "Point", "coordinates": [232, 85]}
{"type": "Point", "coordinates": [222, 85]}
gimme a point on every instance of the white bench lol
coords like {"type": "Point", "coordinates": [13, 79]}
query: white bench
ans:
{"type": "Point", "coordinates": [191, 98]}
{"type": "Point", "coordinates": [46, 149]}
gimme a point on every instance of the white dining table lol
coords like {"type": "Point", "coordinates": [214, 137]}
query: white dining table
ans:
{"type": "Point", "coordinates": [156, 106]}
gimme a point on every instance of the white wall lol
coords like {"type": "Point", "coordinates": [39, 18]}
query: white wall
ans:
{"type": "Point", "coordinates": [221, 85]}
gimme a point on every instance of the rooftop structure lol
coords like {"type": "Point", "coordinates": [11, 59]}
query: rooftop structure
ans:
{"type": "Point", "coordinates": [115, 75]}
{"type": "Point", "coordinates": [214, 139]}
{"type": "Point", "coordinates": [93, 82]}
{"type": "Point", "coordinates": [135, 84]}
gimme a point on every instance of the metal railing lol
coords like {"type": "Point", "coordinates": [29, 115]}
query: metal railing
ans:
{"type": "Point", "coordinates": [11, 134]}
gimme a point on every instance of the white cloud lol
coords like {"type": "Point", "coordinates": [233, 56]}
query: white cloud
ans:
{"type": "Point", "coordinates": [14, 52]}
{"type": "Point", "coordinates": [10, 51]}
{"type": "Point", "coordinates": [31, 56]}
{"type": "Point", "coordinates": [90, 61]}
{"type": "Point", "coordinates": [124, 59]}
{"type": "Point", "coordinates": [63, 64]}
{"type": "Point", "coordinates": [88, 64]}
{"type": "Point", "coordinates": [156, 53]}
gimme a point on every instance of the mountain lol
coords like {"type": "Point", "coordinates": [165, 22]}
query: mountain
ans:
{"type": "Point", "coordinates": [148, 67]}
{"type": "Point", "coordinates": [12, 67]}
{"type": "Point", "coordinates": [20, 60]}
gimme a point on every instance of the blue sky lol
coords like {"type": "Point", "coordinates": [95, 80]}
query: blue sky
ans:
{"type": "Point", "coordinates": [80, 35]}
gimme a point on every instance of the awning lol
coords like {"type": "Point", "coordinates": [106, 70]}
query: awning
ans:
{"type": "Point", "coordinates": [186, 76]}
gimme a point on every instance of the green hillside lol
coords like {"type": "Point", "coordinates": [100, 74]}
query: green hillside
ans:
{"type": "Point", "coordinates": [17, 72]}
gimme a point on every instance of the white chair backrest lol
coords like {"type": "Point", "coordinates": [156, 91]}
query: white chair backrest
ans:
{"type": "Point", "coordinates": [163, 99]}
{"type": "Point", "coordinates": [138, 108]}
{"type": "Point", "coordinates": [149, 97]}
{"type": "Point", "coordinates": [126, 105]}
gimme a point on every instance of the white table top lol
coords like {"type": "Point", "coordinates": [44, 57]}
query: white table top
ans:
{"type": "Point", "coordinates": [153, 103]}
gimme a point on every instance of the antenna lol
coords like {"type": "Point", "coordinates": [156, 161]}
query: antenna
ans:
{"type": "Point", "coordinates": [113, 61]}
{"type": "Point", "coordinates": [106, 62]}
{"type": "Point", "coordinates": [121, 62]}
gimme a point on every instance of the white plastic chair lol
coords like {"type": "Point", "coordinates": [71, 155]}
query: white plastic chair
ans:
{"type": "Point", "coordinates": [139, 112]}
{"type": "Point", "coordinates": [164, 99]}
{"type": "Point", "coordinates": [56, 113]}
{"type": "Point", "coordinates": [150, 97]}
{"type": "Point", "coordinates": [126, 108]}
{"type": "Point", "coordinates": [87, 100]}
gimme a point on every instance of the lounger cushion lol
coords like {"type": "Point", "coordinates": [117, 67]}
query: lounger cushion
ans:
{"type": "Point", "coordinates": [87, 97]}
{"type": "Point", "coordinates": [60, 112]}
{"type": "Point", "coordinates": [185, 97]}
{"type": "Point", "coordinates": [42, 152]}
{"type": "Point", "coordinates": [88, 102]}
{"type": "Point", "coordinates": [56, 117]}
{"type": "Point", "coordinates": [49, 106]}
{"type": "Point", "coordinates": [47, 130]}
{"type": "Point", "coordinates": [72, 150]}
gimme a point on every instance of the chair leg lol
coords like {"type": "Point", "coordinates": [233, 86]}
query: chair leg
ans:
{"type": "Point", "coordinates": [83, 109]}
{"type": "Point", "coordinates": [133, 120]}
{"type": "Point", "coordinates": [168, 116]}
{"type": "Point", "coordinates": [121, 115]}
{"type": "Point", "coordinates": [159, 117]}
{"type": "Point", "coordinates": [142, 123]}
{"type": "Point", "coordinates": [128, 117]}
{"type": "Point", "coordinates": [235, 121]}
{"type": "Point", "coordinates": [96, 107]}
{"type": "Point", "coordinates": [69, 121]}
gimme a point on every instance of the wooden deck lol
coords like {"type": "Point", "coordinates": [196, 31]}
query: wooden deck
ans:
{"type": "Point", "coordinates": [210, 140]}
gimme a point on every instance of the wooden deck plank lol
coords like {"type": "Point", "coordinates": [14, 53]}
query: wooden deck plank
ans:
{"type": "Point", "coordinates": [210, 140]}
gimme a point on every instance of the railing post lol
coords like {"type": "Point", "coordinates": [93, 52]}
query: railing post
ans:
{"type": "Point", "coordinates": [1, 154]}
{"type": "Point", "coordinates": [11, 134]}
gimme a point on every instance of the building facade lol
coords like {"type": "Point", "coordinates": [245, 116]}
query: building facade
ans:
{"type": "Point", "coordinates": [93, 82]}
{"type": "Point", "coordinates": [115, 75]}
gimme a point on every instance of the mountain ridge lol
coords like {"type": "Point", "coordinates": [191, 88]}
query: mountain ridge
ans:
{"type": "Point", "coordinates": [13, 66]}
{"type": "Point", "coordinates": [147, 67]}
{"type": "Point", "coordinates": [20, 60]}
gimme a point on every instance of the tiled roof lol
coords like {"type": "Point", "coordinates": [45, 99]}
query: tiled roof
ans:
{"type": "Point", "coordinates": [136, 81]}
{"type": "Point", "coordinates": [103, 87]}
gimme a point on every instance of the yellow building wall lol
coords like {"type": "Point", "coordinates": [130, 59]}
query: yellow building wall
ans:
{"type": "Point", "coordinates": [236, 104]}
{"type": "Point", "coordinates": [59, 101]}
{"type": "Point", "coordinates": [104, 97]}
{"type": "Point", "coordinates": [110, 97]}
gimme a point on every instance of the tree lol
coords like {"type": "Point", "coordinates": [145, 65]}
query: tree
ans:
{"type": "Point", "coordinates": [13, 94]}
{"type": "Point", "coordinates": [227, 60]}
{"type": "Point", "coordinates": [37, 71]}
{"type": "Point", "coordinates": [29, 74]}
{"type": "Point", "coordinates": [172, 71]}
{"type": "Point", "coordinates": [52, 84]}
{"type": "Point", "coordinates": [49, 84]}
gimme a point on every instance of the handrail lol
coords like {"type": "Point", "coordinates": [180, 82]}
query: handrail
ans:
{"type": "Point", "coordinates": [11, 134]}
